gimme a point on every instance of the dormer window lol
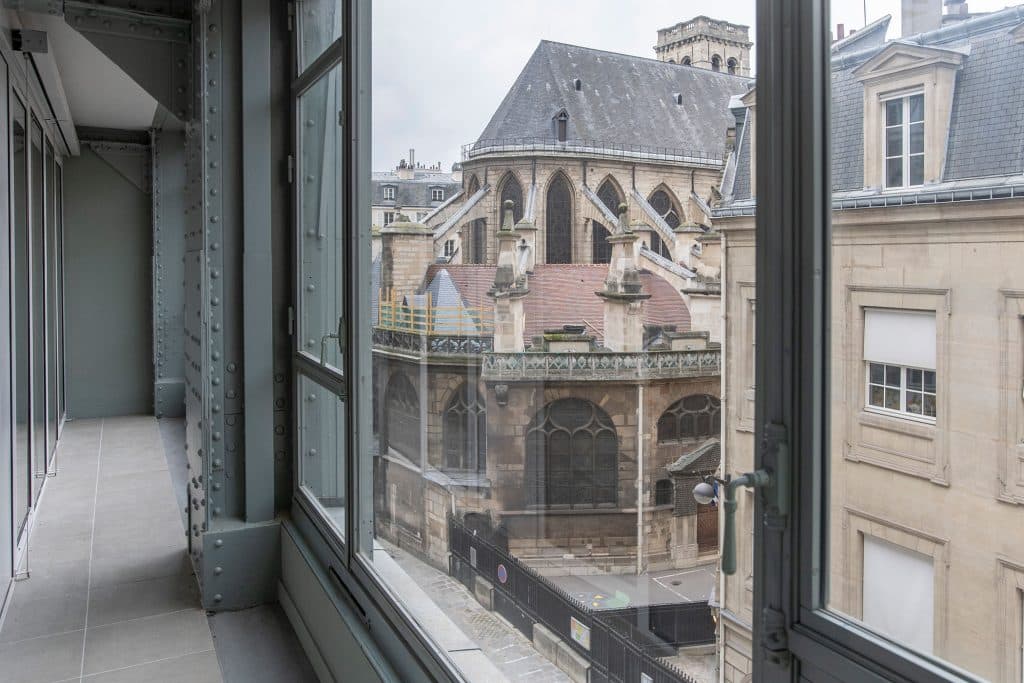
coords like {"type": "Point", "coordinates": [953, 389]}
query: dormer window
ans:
{"type": "Point", "coordinates": [436, 194]}
{"type": "Point", "coordinates": [389, 192]}
{"type": "Point", "coordinates": [562, 126]}
{"type": "Point", "coordinates": [904, 141]}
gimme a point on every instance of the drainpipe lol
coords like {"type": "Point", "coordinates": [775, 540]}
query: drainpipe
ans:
{"type": "Point", "coordinates": [639, 479]}
{"type": "Point", "coordinates": [726, 328]}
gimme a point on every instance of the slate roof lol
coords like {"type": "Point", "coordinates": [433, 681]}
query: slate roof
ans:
{"type": "Point", "coordinates": [624, 99]}
{"type": "Point", "coordinates": [560, 294]}
{"type": "Point", "coordinates": [704, 458]}
{"type": "Point", "coordinates": [986, 127]}
{"type": "Point", "coordinates": [414, 192]}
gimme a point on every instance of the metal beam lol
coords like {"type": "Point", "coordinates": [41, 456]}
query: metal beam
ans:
{"type": "Point", "coordinates": [153, 49]}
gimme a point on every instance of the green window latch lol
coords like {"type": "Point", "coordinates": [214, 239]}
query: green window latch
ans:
{"type": "Point", "coordinates": [772, 480]}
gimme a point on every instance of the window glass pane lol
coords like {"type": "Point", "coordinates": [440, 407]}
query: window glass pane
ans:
{"type": "Point", "coordinates": [893, 142]}
{"type": "Point", "coordinates": [894, 172]}
{"type": "Point", "coordinates": [916, 103]}
{"type": "Point", "coordinates": [39, 309]}
{"type": "Point", "coordinates": [321, 235]}
{"type": "Point", "coordinates": [319, 26]}
{"type": "Point", "coordinates": [917, 138]}
{"type": "Point", "coordinates": [22, 334]}
{"type": "Point", "coordinates": [917, 169]}
{"type": "Point", "coordinates": [924, 454]}
{"type": "Point", "coordinates": [545, 399]}
{"type": "Point", "coordinates": [51, 307]}
{"type": "Point", "coordinates": [893, 112]}
{"type": "Point", "coordinates": [322, 448]}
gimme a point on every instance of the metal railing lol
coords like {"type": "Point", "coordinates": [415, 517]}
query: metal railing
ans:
{"type": "Point", "coordinates": [602, 147]}
{"type": "Point", "coordinates": [620, 645]}
{"type": "Point", "coordinates": [423, 317]}
{"type": "Point", "coordinates": [601, 366]}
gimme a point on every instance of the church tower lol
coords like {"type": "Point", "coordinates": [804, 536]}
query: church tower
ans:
{"type": "Point", "coordinates": [706, 44]}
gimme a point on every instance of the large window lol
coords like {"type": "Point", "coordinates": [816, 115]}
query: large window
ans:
{"type": "Point", "coordinates": [665, 205]}
{"type": "Point", "coordinates": [899, 353]}
{"type": "Point", "coordinates": [601, 248]}
{"type": "Point", "coordinates": [465, 430]}
{"type": "Point", "coordinates": [512, 191]}
{"type": "Point", "coordinates": [572, 456]}
{"type": "Point", "coordinates": [402, 410]}
{"type": "Point", "coordinates": [692, 417]}
{"type": "Point", "coordinates": [904, 141]}
{"type": "Point", "coordinates": [558, 219]}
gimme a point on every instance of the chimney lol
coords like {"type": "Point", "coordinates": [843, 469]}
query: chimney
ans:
{"type": "Point", "coordinates": [840, 31]}
{"type": "Point", "coordinates": [508, 290]}
{"type": "Point", "coordinates": [412, 157]}
{"type": "Point", "coordinates": [407, 250]}
{"type": "Point", "coordinates": [623, 291]}
{"type": "Point", "coordinates": [956, 10]}
{"type": "Point", "coordinates": [919, 16]}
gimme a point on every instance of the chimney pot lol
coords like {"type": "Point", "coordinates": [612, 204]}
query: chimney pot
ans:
{"type": "Point", "coordinates": [840, 31]}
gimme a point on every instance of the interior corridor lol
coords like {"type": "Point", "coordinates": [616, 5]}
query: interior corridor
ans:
{"type": "Point", "coordinates": [110, 594]}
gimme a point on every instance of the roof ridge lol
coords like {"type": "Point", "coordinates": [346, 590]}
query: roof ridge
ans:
{"type": "Point", "coordinates": [646, 59]}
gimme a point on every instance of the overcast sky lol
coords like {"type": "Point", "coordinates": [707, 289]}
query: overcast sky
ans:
{"type": "Point", "coordinates": [441, 67]}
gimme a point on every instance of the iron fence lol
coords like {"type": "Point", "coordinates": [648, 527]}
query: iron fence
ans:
{"type": "Point", "coordinates": [620, 644]}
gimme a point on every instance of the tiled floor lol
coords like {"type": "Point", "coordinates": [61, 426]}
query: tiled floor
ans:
{"type": "Point", "coordinates": [110, 594]}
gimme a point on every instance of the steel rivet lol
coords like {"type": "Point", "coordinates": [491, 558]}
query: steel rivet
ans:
{"type": "Point", "coordinates": [218, 543]}
{"type": "Point", "coordinates": [217, 597]}
{"type": "Point", "coordinates": [218, 571]}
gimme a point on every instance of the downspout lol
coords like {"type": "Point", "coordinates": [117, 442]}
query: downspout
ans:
{"type": "Point", "coordinates": [722, 400]}
{"type": "Point", "coordinates": [639, 479]}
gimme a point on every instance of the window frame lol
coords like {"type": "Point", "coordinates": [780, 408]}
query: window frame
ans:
{"type": "Point", "coordinates": [437, 194]}
{"type": "Point", "coordinates": [390, 193]}
{"type": "Point", "coordinates": [904, 389]}
{"type": "Point", "coordinates": [904, 127]}
{"type": "Point", "coordinates": [795, 637]}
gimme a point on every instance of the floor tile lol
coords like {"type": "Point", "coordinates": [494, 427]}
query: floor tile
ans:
{"type": "Point", "coordinates": [138, 564]}
{"type": "Point", "coordinates": [42, 660]}
{"type": "Point", "coordinates": [136, 599]}
{"type": "Point", "coordinates": [129, 643]}
{"type": "Point", "coordinates": [54, 612]}
{"type": "Point", "coordinates": [200, 667]}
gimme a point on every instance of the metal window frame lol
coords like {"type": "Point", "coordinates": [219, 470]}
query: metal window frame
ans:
{"type": "Point", "coordinates": [794, 636]}
{"type": "Point", "coordinates": [904, 126]}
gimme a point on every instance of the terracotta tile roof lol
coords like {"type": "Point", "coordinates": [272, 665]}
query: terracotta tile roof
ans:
{"type": "Point", "coordinates": [563, 294]}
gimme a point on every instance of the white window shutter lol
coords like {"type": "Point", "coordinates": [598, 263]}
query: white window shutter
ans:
{"type": "Point", "coordinates": [900, 337]}
{"type": "Point", "coordinates": [899, 590]}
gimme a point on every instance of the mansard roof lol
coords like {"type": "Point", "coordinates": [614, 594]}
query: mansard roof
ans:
{"type": "Point", "coordinates": [559, 294]}
{"type": "Point", "coordinates": [414, 191]}
{"type": "Point", "coordinates": [986, 126]}
{"type": "Point", "coordinates": [623, 100]}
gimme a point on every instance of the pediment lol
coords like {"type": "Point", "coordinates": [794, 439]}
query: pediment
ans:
{"type": "Point", "coordinates": [900, 57]}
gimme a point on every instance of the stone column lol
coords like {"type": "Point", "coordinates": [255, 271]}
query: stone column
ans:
{"type": "Point", "coordinates": [508, 290]}
{"type": "Point", "coordinates": [623, 292]}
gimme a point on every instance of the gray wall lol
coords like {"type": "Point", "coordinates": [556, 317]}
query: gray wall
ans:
{"type": "Point", "coordinates": [107, 252]}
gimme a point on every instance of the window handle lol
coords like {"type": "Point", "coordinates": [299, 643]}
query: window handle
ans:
{"type": "Point", "coordinates": [773, 482]}
{"type": "Point", "coordinates": [339, 335]}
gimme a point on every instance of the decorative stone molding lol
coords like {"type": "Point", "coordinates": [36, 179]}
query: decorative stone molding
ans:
{"type": "Point", "coordinates": [600, 367]}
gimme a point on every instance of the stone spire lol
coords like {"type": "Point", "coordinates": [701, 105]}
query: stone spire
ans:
{"type": "Point", "coordinates": [509, 288]}
{"type": "Point", "coordinates": [623, 291]}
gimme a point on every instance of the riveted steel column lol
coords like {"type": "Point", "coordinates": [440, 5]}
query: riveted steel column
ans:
{"type": "Point", "coordinates": [257, 282]}
{"type": "Point", "coordinates": [168, 192]}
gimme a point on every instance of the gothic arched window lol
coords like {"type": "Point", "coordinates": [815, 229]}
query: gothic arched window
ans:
{"type": "Point", "coordinates": [572, 454]}
{"type": "Point", "coordinates": [477, 242]}
{"type": "Point", "coordinates": [609, 196]}
{"type": "Point", "coordinates": [402, 416]}
{"type": "Point", "coordinates": [716, 63]}
{"type": "Point", "coordinates": [685, 61]}
{"type": "Point", "coordinates": [693, 417]}
{"type": "Point", "coordinates": [731, 64]}
{"type": "Point", "coordinates": [666, 207]}
{"type": "Point", "coordinates": [465, 430]}
{"type": "Point", "coordinates": [510, 189]}
{"type": "Point", "coordinates": [558, 221]}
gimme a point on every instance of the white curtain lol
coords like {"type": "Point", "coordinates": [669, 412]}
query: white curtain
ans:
{"type": "Point", "coordinates": [900, 337]}
{"type": "Point", "coordinates": [899, 590]}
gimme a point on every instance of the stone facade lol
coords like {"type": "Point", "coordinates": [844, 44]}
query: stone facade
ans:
{"type": "Point", "coordinates": [922, 487]}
